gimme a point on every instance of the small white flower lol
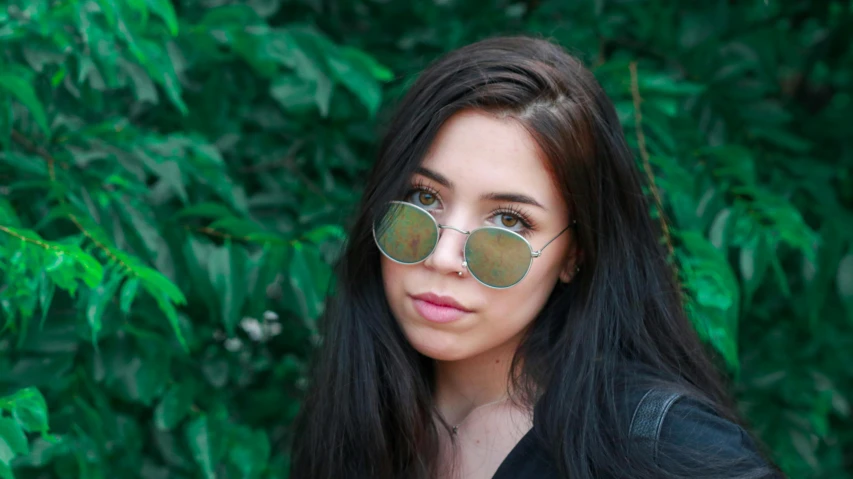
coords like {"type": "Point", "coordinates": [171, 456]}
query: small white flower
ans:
{"type": "Point", "coordinates": [274, 329]}
{"type": "Point", "coordinates": [253, 328]}
{"type": "Point", "coordinates": [233, 344]}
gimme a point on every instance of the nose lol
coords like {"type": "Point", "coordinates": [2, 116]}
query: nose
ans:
{"type": "Point", "coordinates": [447, 257]}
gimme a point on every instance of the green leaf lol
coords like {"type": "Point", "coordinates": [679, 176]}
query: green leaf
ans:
{"type": "Point", "coordinates": [265, 8]}
{"type": "Point", "coordinates": [376, 70]}
{"type": "Point", "coordinates": [143, 86]}
{"type": "Point", "coordinates": [348, 71]}
{"type": "Point", "coordinates": [139, 376]}
{"type": "Point", "coordinates": [167, 307]}
{"type": "Point", "coordinates": [160, 67]}
{"type": "Point", "coordinates": [215, 370]}
{"type": "Point", "coordinates": [99, 300]}
{"type": "Point", "coordinates": [25, 163]}
{"type": "Point", "coordinates": [787, 222]}
{"type": "Point", "coordinates": [165, 10]}
{"type": "Point", "coordinates": [12, 439]}
{"type": "Point", "coordinates": [651, 82]}
{"type": "Point", "coordinates": [754, 263]}
{"type": "Point", "coordinates": [667, 106]}
{"type": "Point", "coordinates": [238, 227]}
{"type": "Point", "coordinates": [174, 405]}
{"type": "Point", "coordinates": [166, 294]}
{"type": "Point", "coordinates": [128, 294]}
{"type": "Point", "coordinates": [294, 94]}
{"type": "Point", "coordinates": [6, 121]}
{"type": "Point", "coordinates": [47, 289]}
{"type": "Point", "coordinates": [139, 7]}
{"type": "Point", "coordinates": [199, 440]}
{"type": "Point", "coordinates": [263, 271]}
{"type": "Point", "coordinates": [6, 453]}
{"type": "Point", "coordinates": [735, 162]}
{"type": "Point", "coordinates": [714, 303]}
{"type": "Point", "coordinates": [228, 276]}
{"type": "Point", "coordinates": [229, 15]}
{"type": "Point", "coordinates": [323, 95]}
{"type": "Point", "coordinates": [28, 409]}
{"type": "Point", "coordinates": [712, 326]}
{"type": "Point", "coordinates": [197, 253]}
{"type": "Point", "coordinates": [43, 450]}
{"type": "Point", "coordinates": [24, 92]}
{"type": "Point", "coordinates": [89, 269]}
{"type": "Point", "coordinates": [325, 233]}
{"type": "Point", "coordinates": [309, 278]}
{"type": "Point", "coordinates": [157, 281]}
{"type": "Point", "coordinates": [250, 452]}
{"type": "Point", "coordinates": [781, 138]}
{"type": "Point", "coordinates": [209, 153]}
{"type": "Point", "coordinates": [844, 279]}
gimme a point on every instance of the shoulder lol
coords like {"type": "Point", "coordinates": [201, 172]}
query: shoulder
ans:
{"type": "Point", "coordinates": [692, 438]}
{"type": "Point", "coordinates": [697, 425]}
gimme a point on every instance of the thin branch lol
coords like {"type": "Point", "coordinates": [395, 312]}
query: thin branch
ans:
{"type": "Point", "coordinates": [97, 243]}
{"type": "Point", "coordinates": [219, 234]}
{"type": "Point", "coordinates": [28, 240]}
{"type": "Point", "coordinates": [51, 162]}
{"type": "Point", "coordinates": [213, 232]}
{"type": "Point", "coordinates": [31, 147]}
{"type": "Point", "coordinates": [644, 153]}
{"type": "Point", "coordinates": [287, 161]}
{"type": "Point", "coordinates": [284, 161]}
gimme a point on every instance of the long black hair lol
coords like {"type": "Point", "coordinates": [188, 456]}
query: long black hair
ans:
{"type": "Point", "coordinates": [369, 411]}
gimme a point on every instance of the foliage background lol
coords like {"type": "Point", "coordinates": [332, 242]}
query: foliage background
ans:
{"type": "Point", "coordinates": [176, 177]}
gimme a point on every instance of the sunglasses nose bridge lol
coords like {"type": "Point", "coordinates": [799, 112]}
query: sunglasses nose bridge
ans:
{"type": "Point", "coordinates": [448, 259]}
{"type": "Point", "coordinates": [458, 230]}
{"type": "Point", "coordinates": [466, 233]}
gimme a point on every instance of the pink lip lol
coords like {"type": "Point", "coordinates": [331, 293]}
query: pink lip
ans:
{"type": "Point", "coordinates": [438, 309]}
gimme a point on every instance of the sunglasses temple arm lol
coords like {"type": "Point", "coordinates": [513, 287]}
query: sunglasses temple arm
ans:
{"type": "Point", "coordinates": [536, 254]}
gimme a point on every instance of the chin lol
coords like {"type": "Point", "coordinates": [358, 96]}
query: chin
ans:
{"type": "Point", "coordinates": [438, 345]}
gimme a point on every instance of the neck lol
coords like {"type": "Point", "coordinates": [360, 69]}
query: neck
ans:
{"type": "Point", "coordinates": [465, 384]}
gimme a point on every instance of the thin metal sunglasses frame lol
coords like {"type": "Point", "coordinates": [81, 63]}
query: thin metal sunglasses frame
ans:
{"type": "Point", "coordinates": [533, 253]}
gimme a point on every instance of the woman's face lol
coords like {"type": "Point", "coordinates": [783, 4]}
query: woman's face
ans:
{"type": "Point", "coordinates": [480, 170]}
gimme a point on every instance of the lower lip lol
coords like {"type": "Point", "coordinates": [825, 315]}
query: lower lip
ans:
{"type": "Point", "coordinates": [436, 313]}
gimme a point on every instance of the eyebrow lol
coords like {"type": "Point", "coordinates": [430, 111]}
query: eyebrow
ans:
{"type": "Point", "coordinates": [510, 197]}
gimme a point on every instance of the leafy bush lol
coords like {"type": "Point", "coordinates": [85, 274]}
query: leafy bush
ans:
{"type": "Point", "coordinates": [176, 178]}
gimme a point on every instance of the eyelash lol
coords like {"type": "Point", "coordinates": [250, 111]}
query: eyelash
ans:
{"type": "Point", "coordinates": [511, 210]}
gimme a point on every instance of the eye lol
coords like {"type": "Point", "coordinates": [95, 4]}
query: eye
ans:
{"type": "Point", "coordinates": [426, 198]}
{"type": "Point", "coordinates": [509, 220]}
{"type": "Point", "coordinates": [513, 220]}
{"type": "Point", "coordinates": [423, 196]}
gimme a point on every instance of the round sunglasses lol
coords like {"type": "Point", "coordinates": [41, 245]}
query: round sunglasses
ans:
{"type": "Point", "coordinates": [496, 257]}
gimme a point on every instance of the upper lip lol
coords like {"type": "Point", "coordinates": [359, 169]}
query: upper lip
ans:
{"type": "Point", "coordinates": [446, 301]}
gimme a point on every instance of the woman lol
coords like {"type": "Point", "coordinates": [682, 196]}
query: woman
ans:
{"type": "Point", "coordinates": [504, 307]}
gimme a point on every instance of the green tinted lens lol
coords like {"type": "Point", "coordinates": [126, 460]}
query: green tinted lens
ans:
{"type": "Point", "coordinates": [497, 257]}
{"type": "Point", "coordinates": [406, 234]}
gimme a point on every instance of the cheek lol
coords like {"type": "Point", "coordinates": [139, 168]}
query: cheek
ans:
{"type": "Point", "coordinates": [393, 279]}
{"type": "Point", "coordinates": [501, 314]}
{"type": "Point", "coordinates": [513, 309]}
{"type": "Point", "coordinates": [389, 273]}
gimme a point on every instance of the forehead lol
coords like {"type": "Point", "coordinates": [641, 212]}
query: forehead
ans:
{"type": "Point", "coordinates": [483, 153]}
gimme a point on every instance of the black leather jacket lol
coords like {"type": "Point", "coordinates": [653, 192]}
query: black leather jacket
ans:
{"type": "Point", "coordinates": [692, 437]}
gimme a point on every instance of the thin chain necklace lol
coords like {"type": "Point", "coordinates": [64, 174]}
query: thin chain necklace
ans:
{"type": "Point", "coordinates": [455, 429]}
